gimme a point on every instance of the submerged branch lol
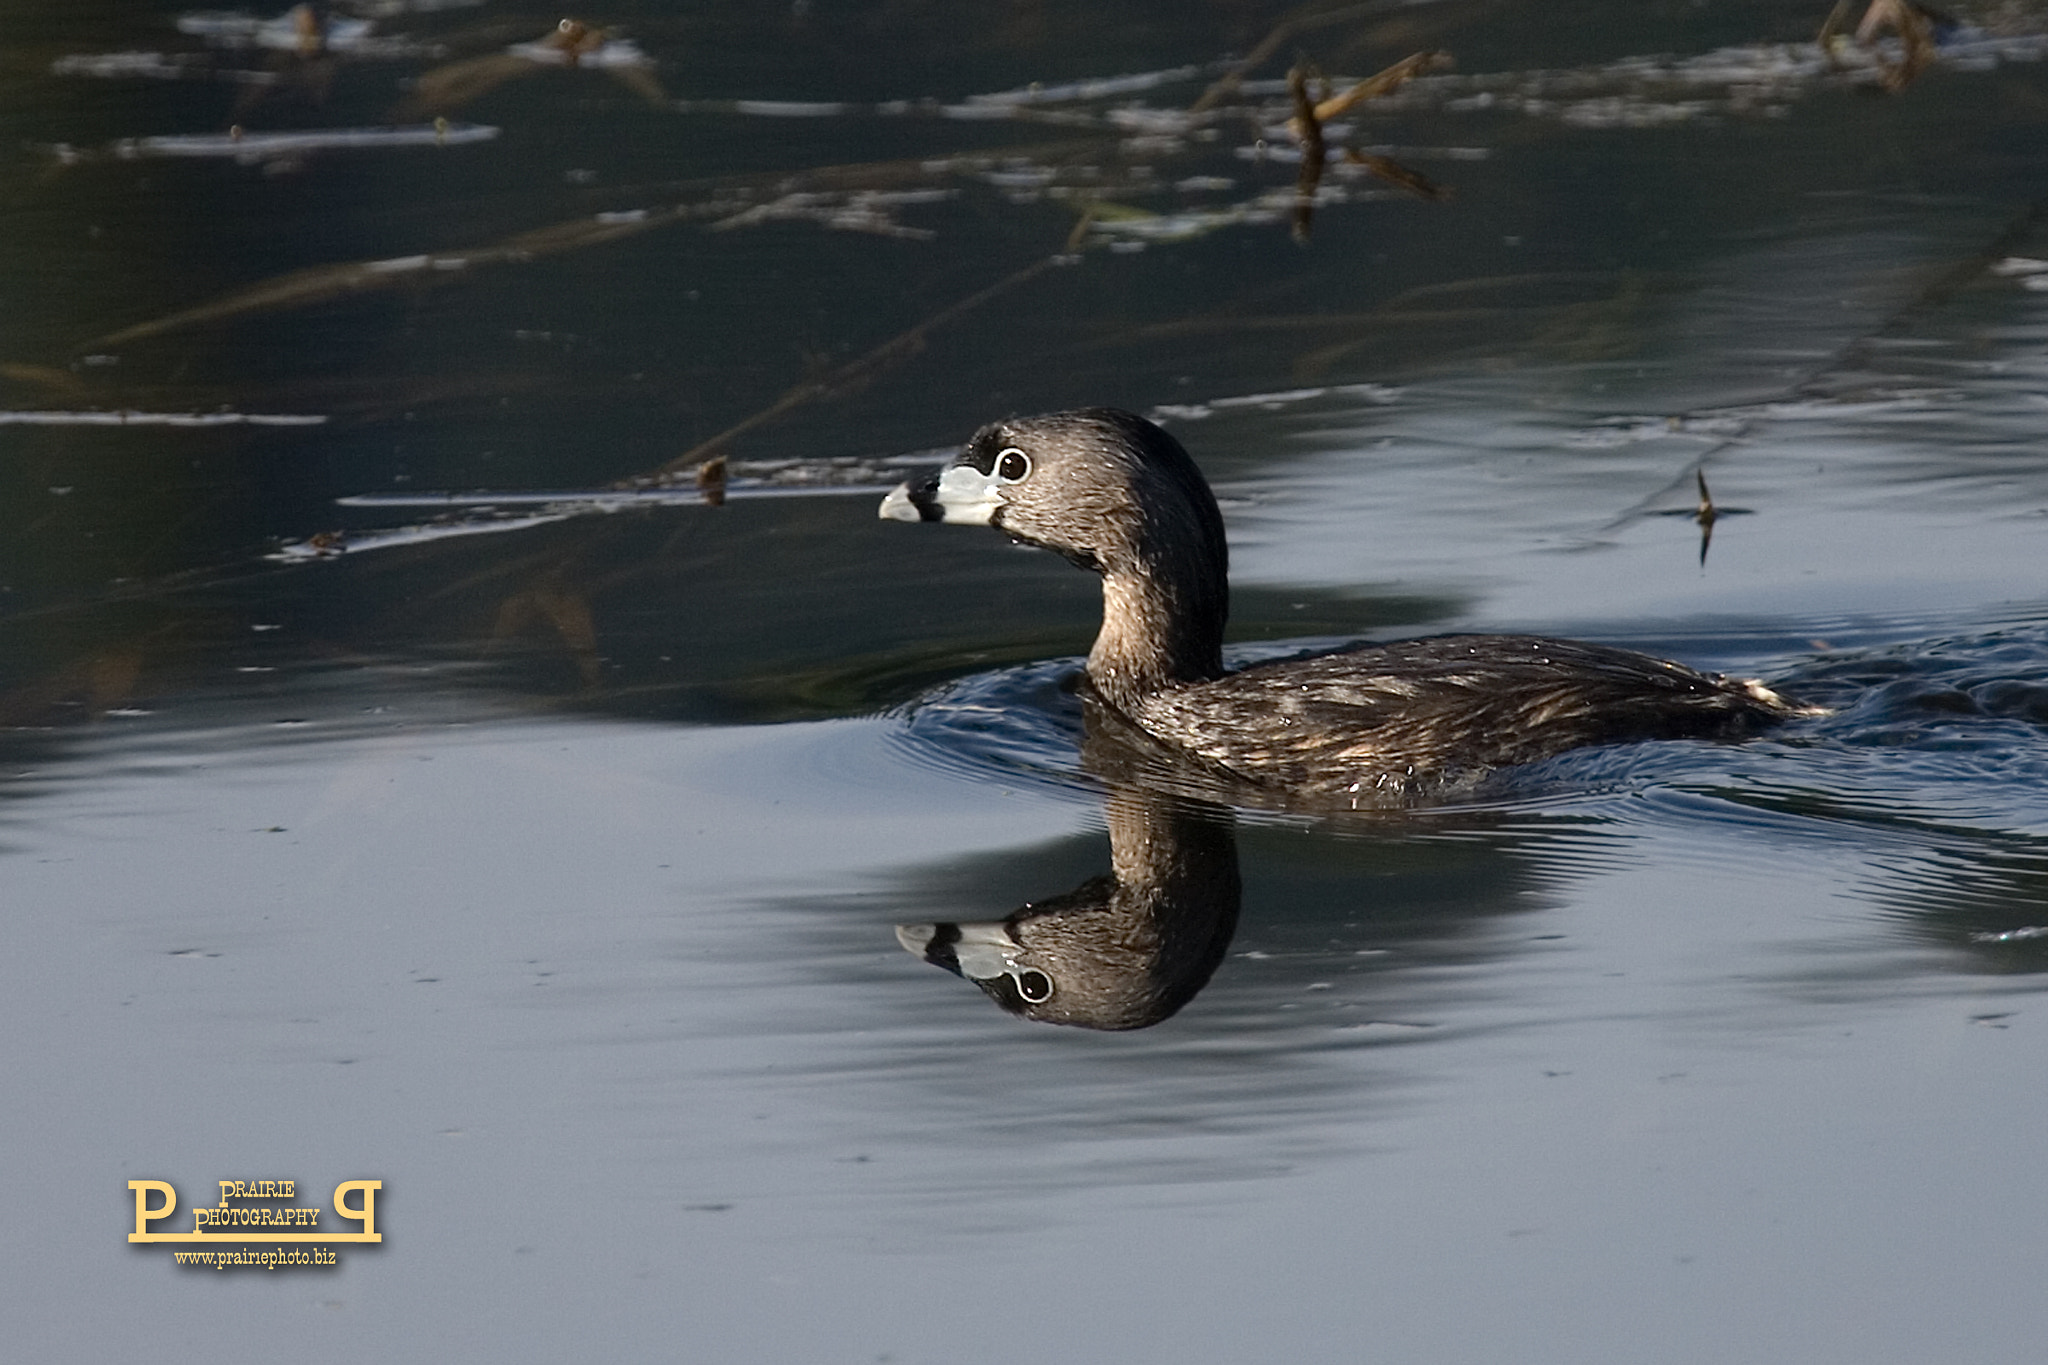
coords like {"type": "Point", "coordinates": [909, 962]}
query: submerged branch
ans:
{"type": "Point", "coordinates": [858, 371]}
{"type": "Point", "coordinates": [1400, 176]}
{"type": "Point", "coordinates": [320, 283]}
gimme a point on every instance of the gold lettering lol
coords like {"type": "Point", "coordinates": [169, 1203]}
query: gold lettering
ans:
{"type": "Point", "coordinates": [365, 1212]}
{"type": "Point", "coordinates": [144, 1213]}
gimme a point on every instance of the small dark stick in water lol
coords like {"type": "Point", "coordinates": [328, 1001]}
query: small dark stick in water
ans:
{"type": "Point", "coordinates": [1704, 515]}
{"type": "Point", "coordinates": [711, 480]}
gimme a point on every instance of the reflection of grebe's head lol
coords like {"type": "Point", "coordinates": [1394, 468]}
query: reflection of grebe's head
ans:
{"type": "Point", "coordinates": [1072, 960]}
{"type": "Point", "coordinates": [1117, 952]}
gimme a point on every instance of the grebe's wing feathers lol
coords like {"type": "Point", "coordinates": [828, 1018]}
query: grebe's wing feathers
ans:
{"type": "Point", "coordinates": [1448, 706]}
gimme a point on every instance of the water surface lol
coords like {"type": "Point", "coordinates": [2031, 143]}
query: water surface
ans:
{"type": "Point", "coordinates": [545, 858]}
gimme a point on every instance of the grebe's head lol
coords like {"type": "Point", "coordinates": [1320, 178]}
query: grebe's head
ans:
{"type": "Point", "coordinates": [1106, 488]}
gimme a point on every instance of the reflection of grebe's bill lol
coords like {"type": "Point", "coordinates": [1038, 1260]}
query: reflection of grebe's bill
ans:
{"type": "Point", "coordinates": [983, 953]}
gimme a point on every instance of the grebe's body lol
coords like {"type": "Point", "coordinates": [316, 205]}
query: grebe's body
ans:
{"type": "Point", "coordinates": [1118, 495]}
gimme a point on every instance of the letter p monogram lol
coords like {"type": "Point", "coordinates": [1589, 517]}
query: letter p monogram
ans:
{"type": "Point", "coordinates": [365, 1212]}
{"type": "Point", "coordinates": [145, 1213]}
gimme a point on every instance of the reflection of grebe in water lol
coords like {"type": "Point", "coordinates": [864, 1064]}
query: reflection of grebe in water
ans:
{"type": "Point", "coordinates": [1118, 952]}
{"type": "Point", "coordinates": [1371, 724]}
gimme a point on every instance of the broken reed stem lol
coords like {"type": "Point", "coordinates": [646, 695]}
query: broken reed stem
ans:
{"type": "Point", "coordinates": [1308, 129]}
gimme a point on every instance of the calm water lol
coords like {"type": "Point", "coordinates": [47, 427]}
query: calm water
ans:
{"type": "Point", "coordinates": [547, 857]}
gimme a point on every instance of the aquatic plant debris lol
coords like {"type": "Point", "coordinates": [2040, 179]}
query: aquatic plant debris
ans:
{"type": "Point", "coordinates": [304, 30]}
{"type": "Point", "coordinates": [127, 418]}
{"type": "Point", "coordinates": [1118, 143]}
{"type": "Point", "coordinates": [1126, 144]}
{"type": "Point", "coordinates": [1913, 25]}
{"type": "Point", "coordinates": [1308, 125]}
{"type": "Point", "coordinates": [711, 483]}
{"type": "Point", "coordinates": [238, 144]}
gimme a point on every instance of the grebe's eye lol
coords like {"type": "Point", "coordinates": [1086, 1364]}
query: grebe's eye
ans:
{"type": "Point", "coordinates": [1035, 986]}
{"type": "Point", "coordinates": [1013, 465]}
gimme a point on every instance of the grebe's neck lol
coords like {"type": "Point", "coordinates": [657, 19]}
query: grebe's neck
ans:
{"type": "Point", "coordinates": [1163, 610]}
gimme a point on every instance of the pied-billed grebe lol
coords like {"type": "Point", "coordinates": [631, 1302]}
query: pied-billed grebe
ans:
{"type": "Point", "coordinates": [1115, 494]}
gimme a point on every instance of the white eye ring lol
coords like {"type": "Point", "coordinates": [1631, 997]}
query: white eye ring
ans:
{"type": "Point", "coordinates": [1012, 465]}
{"type": "Point", "coordinates": [1035, 986]}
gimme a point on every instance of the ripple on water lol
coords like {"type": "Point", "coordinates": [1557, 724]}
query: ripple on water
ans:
{"type": "Point", "coordinates": [1019, 723]}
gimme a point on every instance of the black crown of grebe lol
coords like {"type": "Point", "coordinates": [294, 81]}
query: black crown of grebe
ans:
{"type": "Point", "coordinates": [1116, 494]}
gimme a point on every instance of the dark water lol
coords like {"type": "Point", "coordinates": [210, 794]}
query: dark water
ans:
{"type": "Point", "coordinates": [546, 857]}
